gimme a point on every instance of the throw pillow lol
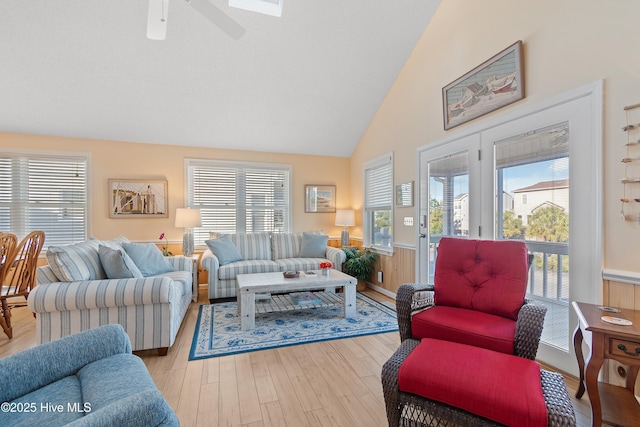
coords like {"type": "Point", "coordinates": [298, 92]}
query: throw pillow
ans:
{"type": "Point", "coordinates": [313, 245]}
{"type": "Point", "coordinates": [117, 264]}
{"type": "Point", "coordinates": [79, 261]}
{"type": "Point", "coordinates": [224, 249]}
{"type": "Point", "coordinates": [148, 258]}
{"type": "Point", "coordinates": [115, 243]}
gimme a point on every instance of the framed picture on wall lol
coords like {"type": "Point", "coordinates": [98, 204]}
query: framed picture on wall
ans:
{"type": "Point", "coordinates": [319, 198]}
{"type": "Point", "coordinates": [404, 195]}
{"type": "Point", "coordinates": [497, 82]}
{"type": "Point", "coordinates": [137, 198]}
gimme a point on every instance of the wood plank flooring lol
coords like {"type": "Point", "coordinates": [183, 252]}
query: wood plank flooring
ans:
{"type": "Point", "coordinates": [331, 383]}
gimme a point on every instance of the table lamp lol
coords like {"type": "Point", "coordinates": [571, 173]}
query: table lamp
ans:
{"type": "Point", "coordinates": [188, 218]}
{"type": "Point", "coordinates": [345, 218]}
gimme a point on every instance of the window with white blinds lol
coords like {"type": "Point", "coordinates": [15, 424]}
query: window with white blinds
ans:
{"type": "Point", "coordinates": [44, 192]}
{"type": "Point", "coordinates": [378, 203]}
{"type": "Point", "coordinates": [239, 197]}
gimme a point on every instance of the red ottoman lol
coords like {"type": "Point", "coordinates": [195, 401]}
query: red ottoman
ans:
{"type": "Point", "coordinates": [435, 380]}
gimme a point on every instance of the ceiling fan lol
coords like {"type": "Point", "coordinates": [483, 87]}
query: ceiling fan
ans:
{"type": "Point", "coordinates": [157, 20]}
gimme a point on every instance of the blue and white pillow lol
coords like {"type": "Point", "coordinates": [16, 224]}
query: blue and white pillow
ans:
{"type": "Point", "coordinates": [79, 261]}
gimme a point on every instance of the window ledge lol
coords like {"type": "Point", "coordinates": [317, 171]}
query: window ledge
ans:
{"type": "Point", "coordinates": [381, 250]}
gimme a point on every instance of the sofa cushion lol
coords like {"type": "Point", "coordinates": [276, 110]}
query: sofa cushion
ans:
{"type": "Point", "coordinates": [224, 249]}
{"type": "Point", "coordinates": [230, 271]}
{"type": "Point", "coordinates": [313, 245]}
{"type": "Point", "coordinates": [148, 258]}
{"type": "Point", "coordinates": [484, 275]}
{"type": "Point", "coordinates": [62, 392]}
{"type": "Point", "coordinates": [184, 278]}
{"type": "Point", "coordinates": [504, 388]}
{"type": "Point", "coordinates": [76, 262]}
{"type": "Point", "coordinates": [253, 245]}
{"type": "Point", "coordinates": [115, 243]}
{"type": "Point", "coordinates": [298, 264]}
{"type": "Point", "coordinates": [465, 326]}
{"type": "Point", "coordinates": [285, 245]}
{"type": "Point", "coordinates": [117, 264]}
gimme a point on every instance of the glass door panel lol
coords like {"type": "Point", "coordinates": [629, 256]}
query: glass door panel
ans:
{"type": "Point", "coordinates": [532, 204]}
{"type": "Point", "coordinates": [448, 201]}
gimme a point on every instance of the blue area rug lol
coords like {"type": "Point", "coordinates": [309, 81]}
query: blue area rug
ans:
{"type": "Point", "coordinates": [218, 331]}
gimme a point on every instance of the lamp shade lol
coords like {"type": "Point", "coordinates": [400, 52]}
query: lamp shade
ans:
{"type": "Point", "coordinates": [345, 217]}
{"type": "Point", "coordinates": [187, 217]}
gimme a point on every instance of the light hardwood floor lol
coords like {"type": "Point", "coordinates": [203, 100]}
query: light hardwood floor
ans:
{"type": "Point", "coordinates": [331, 383]}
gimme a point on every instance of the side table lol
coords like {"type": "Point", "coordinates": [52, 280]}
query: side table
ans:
{"type": "Point", "coordinates": [610, 403]}
{"type": "Point", "coordinates": [195, 258]}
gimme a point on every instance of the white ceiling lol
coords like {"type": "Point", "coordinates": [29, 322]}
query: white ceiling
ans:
{"type": "Point", "coordinates": [309, 82]}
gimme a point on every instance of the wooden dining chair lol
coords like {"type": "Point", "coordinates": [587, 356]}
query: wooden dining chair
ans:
{"type": "Point", "coordinates": [18, 274]}
{"type": "Point", "coordinates": [8, 243]}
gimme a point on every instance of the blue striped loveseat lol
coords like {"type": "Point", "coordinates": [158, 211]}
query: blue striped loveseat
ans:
{"type": "Point", "coordinates": [150, 309]}
{"type": "Point", "coordinates": [263, 253]}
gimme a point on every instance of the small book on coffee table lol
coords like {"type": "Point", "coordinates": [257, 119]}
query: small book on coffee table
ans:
{"type": "Point", "coordinates": [305, 298]}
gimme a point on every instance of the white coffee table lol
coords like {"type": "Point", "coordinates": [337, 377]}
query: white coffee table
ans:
{"type": "Point", "coordinates": [261, 283]}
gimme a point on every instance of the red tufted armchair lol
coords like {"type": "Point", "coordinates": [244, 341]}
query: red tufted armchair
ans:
{"type": "Point", "coordinates": [478, 298]}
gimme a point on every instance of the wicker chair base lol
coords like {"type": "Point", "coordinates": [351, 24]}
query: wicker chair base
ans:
{"type": "Point", "coordinates": [406, 409]}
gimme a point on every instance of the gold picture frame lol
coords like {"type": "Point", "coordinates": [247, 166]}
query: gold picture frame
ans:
{"type": "Point", "coordinates": [138, 198]}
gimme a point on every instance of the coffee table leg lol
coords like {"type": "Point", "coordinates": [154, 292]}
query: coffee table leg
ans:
{"type": "Point", "coordinates": [248, 311]}
{"type": "Point", "coordinates": [350, 301]}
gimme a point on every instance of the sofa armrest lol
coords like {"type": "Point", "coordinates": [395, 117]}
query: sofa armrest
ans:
{"type": "Point", "coordinates": [209, 261]}
{"type": "Point", "coordinates": [336, 256]}
{"type": "Point", "coordinates": [33, 368]}
{"type": "Point", "coordinates": [529, 330]}
{"type": "Point", "coordinates": [145, 408]}
{"type": "Point", "coordinates": [181, 263]}
{"type": "Point", "coordinates": [409, 298]}
{"type": "Point", "coordinates": [73, 296]}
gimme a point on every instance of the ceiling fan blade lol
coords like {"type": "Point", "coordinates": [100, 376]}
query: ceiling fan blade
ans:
{"type": "Point", "coordinates": [218, 17]}
{"type": "Point", "coordinates": [157, 20]}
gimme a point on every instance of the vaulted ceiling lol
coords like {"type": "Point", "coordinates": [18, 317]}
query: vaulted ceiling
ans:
{"type": "Point", "coordinates": [308, 82]}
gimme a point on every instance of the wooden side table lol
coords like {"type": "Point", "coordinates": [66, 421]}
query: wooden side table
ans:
{"type": "Point", "coordinates": [610, 403]}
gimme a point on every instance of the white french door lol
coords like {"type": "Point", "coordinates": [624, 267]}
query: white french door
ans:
{"type": "Point", "coordinates": [448, 198]}
{"type": "Point", "coordinates": [534, 177]}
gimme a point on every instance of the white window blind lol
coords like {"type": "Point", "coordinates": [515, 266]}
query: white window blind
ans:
{"type": "Point", "coordinates": [378, 187]}
{"type": "Point", "coordinates": [378, 202]}
{"type": "Point", "coordinates": [239, 197]}
{"type": "Point", "coordinates": [44, 192]}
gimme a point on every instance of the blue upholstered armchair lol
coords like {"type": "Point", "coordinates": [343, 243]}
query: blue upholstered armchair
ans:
{"type": "Point", "coordinates": [90, 378]}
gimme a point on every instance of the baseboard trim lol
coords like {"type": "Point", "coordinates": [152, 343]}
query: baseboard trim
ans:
{"type": "Point", "coordinates": [383, 291]}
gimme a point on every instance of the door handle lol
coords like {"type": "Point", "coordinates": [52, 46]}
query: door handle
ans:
{"type": "Point", "coordinates": [422, 236]}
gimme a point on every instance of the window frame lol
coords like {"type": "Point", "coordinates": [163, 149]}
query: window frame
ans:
{"type": "Point", "coordinates": [19, 182]}
{"type": "Point", "coordinates": [368, 212]}
{"type": "Point", "coordinates": [239, 169]}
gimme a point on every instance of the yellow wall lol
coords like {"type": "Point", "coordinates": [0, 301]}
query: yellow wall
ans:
{"type": "Point", "coordinates": [112, 159]}
{"type": "Point", "coordinates": [567, 44]}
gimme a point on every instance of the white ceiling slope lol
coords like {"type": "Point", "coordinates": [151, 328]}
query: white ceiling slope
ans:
{"type": "Point", "coordinates": [309, 82]}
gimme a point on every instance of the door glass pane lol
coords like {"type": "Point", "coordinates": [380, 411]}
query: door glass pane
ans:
{"type": "Point", "coordinates": [532, 204]}
{"type": "Point", "coordinates": [448, 201]}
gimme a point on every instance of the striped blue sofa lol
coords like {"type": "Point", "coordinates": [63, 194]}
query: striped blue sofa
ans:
{"type": "Point", "coordinates": [262, 253]}
{"type": "Point", "coordinates": [150, 309]}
